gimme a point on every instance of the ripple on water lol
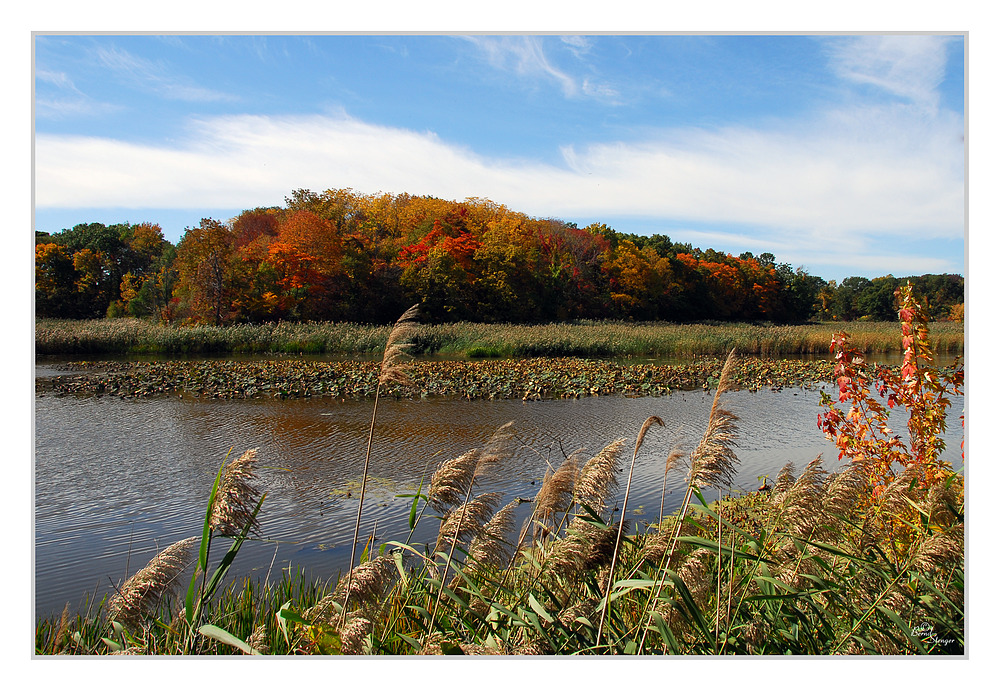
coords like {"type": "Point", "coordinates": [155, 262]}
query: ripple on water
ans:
{"type": "Point", "coordinates": [116, 480]}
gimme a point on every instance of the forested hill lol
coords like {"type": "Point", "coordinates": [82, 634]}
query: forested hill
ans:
{"type": "Point", "coordinates": [341, 255]}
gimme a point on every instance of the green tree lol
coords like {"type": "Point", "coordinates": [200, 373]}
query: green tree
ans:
{"type": "Point", "coordinates": [55, 282]}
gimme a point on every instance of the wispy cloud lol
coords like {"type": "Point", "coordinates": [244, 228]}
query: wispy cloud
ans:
{"type": "Point", "coordinates": [578, 45]}
{"type": "Point", "coordinates": [59, 98]}
{"type": "Point", "coordinates": [526, 57]}
{"type": "Point", "coordinates": [909, 67]}
{"type": "Point", "coordinates": [58, 79]}
{"type": "Point", "coordinates": [155, 77]}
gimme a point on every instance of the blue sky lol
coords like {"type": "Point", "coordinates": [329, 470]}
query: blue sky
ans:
{"type": "Point", "coordinates": [843, 154]}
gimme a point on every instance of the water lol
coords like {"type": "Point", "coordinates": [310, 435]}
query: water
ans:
{"type": "Point", "coordinates": [118, 480]}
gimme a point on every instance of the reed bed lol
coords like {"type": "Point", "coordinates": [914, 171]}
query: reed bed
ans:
{"type": "Point", "coordinates": [815, 564]}
{"type": "Point", "coordinates": [811, 567]}
{"type": "Point", "coordinates": [475, 340]}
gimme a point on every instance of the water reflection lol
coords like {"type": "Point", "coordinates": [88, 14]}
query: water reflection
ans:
{"type": "Point", "coordinates": [116, 480]}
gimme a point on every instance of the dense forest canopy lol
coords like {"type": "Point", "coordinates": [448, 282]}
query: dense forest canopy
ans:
{"type": "Point", "coordinates": [342, 255]}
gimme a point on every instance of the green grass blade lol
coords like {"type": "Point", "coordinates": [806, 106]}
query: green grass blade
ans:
{"type": "Point", "coordinates": [206, 539]}
{"type": "Point", "coordinates": [223, 636]}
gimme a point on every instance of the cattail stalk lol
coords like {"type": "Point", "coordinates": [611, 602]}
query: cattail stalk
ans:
{"type": "Point", "coordinates": [672, 459]}
{"type": "Point", "coordinates": [650, 421]}
{"type": "Point", "coordinates": [485, 461]}
{"type": "Point", "coordinates": [711, 462]}
{"type": "Point", "coordinates": [391, 371]}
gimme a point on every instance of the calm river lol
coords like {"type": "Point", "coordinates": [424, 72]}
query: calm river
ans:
{"type": "Point", "coordinates": [117, 480]}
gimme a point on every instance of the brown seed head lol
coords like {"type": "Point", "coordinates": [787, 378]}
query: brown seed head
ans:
{"type": "Point", "coordinates": [467, 519]}
{"type": "Point", "coordinates": [396, 348]}
{"type": "Point", "coordinates": [140, 596]}
{"type": "Point", "coordinates": [650, 421]}
{"type": "Point", "coordinates": [599, 477]}
{"type": "Point", "coordinates": [556, 493]}
{"type": "Point", "coordinates": [236, 498]}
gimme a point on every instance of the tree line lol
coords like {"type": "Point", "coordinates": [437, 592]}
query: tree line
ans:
{"type": "Point", "coordinates": [344, 256]}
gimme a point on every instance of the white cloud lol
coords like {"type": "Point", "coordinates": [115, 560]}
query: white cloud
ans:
{"type": "Point", "coordinates": [853, 172]}
{"type": "Point", "coordinates": [57, 97]}
{"type": "Point", "coordinates": [80, 106]}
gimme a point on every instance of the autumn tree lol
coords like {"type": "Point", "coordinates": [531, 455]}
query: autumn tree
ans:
{"type": "Point", "coordinates": [205, 265]}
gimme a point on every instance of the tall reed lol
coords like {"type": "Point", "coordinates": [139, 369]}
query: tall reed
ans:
{"type": "Point", "coordinates": [392, 370]}
{"type": "Point", "coordinates": [816, 565]}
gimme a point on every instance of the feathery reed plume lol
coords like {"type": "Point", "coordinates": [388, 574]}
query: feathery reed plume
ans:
{"type": "Point", "coordinates": [391, 371]}
{"type": "Point", "coordinates": [894, 503]}
{"type": "Point", "coordinates": [55, 642]}
{"type": "Point", "coordinates": [567, 555]}
{"type": "Point", "coordinates": [941, 548]}
{"type": "Point", "coordinates": [655, 547]}
{"type": "Point", "coordinates": [258, 639]}
{"type": "Point", "coordinates": [367, 583]}
{"type": "Point", "coordinates": [493, 453]}
{"type": "Point", "coordinates": [650, 421]}
{"type": "Point", "coordinates": [785, 479]}
{"type": "Point", "coordinates": [943, 503]}
{"type": "Point", "coordinates": [436, 642]}
{"type": "Point", "coordinates": [556, 493]}
{"type": "Point", "coordinates": [533, 648]}
{"type": "Point", "coordinates": [236, 497]}
{"type": "Point", "coordinates": [370, 580]}
{"type": "Point", "coordinates": [843, 491]}
{"type": "Point", "coordinates": [467, 519]}
{"type": "Point", "coordinates": [396, 353]}
{"type": "Point", "coordinates": [583, 609]}
{"type": "Point", "coordinates": [801, 505]}
{"type": "Point", "coordinates": [713, 461]}
{"type": "Point", "coordinates": [808, 508]}
{"type": "Point", "coordinates": [490, 547]}
{"type": "Point", "coordinates": [354, 636]}
{"type": "Point", "coordinates": [451, 480]}
{"type": "Point", "coordinates": [141, 594]}
{"type": "Point", "coordinates": [585, 546]}
{"type": "Point", "coordinates": [599, 477]}
{"type": "Point", "coordinates": [604, 542]}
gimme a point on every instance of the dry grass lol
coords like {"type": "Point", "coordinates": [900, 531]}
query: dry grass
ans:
{"type": "Point", "coordinates": [814, 566]}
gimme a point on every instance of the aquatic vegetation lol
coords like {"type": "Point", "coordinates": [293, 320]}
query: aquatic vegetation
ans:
{"type": "Point", "coordinates": [528, 379]}
{"type": "Point", "coordinates": [815, 564]}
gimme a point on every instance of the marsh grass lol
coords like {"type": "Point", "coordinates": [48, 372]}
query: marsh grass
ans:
{"type": "Point", "coordinates": [817, 565]}
{"type": "Point", "coordinates": [810, 568]}
{"type": "Point", "coordinates": [475, 340]}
